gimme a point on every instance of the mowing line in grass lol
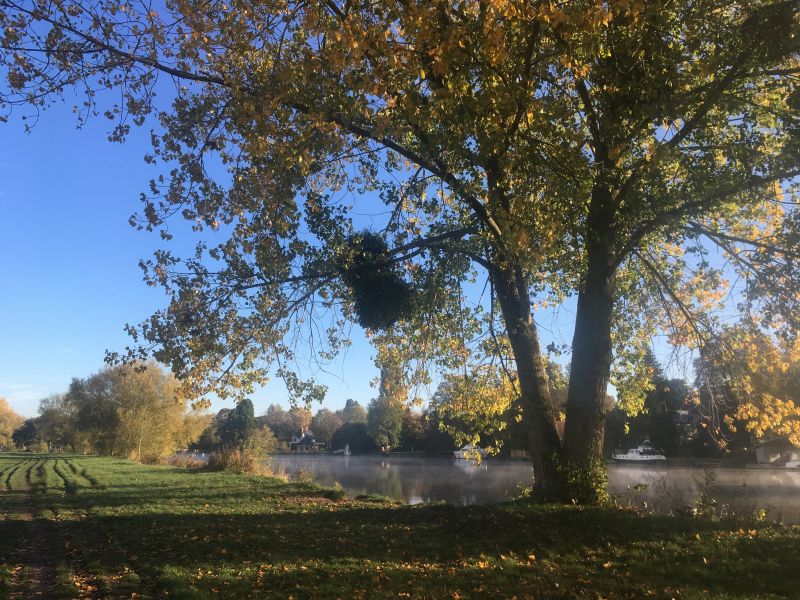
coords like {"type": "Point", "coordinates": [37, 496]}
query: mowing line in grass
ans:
{"type": "Point", "coordinates": [11, 475]}
{"type": "Point", "coordinates": [29, 473]}
{"type": "Point", "coordinates": [90, 478]}
{"type": "Point", "coordinates": [70, 486]}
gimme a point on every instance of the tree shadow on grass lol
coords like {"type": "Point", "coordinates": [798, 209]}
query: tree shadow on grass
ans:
{"type": "Point", "coordinates": [333, 545]}
{"type": "Point", "coordinates": [244, 536]}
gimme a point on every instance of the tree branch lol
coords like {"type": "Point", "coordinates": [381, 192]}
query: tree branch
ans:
{"type": "Point", "coordinates": [664, 285]}
{"type": "Point", "coordinates": [697, 227]}
{"type": "Point", "coordinates": [684, 210]}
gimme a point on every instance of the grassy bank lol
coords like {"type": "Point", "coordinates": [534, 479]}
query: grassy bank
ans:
{"type": "Point", "coordinates": [87, 527]}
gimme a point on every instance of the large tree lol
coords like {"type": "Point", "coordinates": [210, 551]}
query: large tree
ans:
{"type": "Point", "coordinates": [561, 148]}
{"type": "Point", "coordinates": [128, 410]}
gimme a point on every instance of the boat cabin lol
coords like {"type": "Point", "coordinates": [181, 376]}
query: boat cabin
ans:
{"type": "Point", "coordinates": [777, 451]}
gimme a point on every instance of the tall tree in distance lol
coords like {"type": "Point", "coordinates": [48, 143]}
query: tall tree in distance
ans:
{"type": "Point", "coordinates": [352, 412]}
{"type": "Point", "coordinates": [57, 424]}
{"type": "Point", "coordinates": [280, 422]}
{"type": "Point", "coordinates": [239, 425]}
{"type": "Point", "coordinates": [385, 422]}
{"type": "Point", "coordinates": [324, 424]}
{"type": "Point", "coordinates": [26, 436]}
{"type": "Point", "coordinates": [585, 148]}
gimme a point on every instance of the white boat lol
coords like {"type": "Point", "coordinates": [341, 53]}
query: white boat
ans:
{"type": "Point", "coordinates": [644, 453]}
{"type": "Point", "coordinates": [470, 452]}
{"type": "Point", "coordinates": [343, 451]}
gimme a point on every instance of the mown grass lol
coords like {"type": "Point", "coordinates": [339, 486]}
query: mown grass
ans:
{"type": "Point", "coordinates": [116, 528]}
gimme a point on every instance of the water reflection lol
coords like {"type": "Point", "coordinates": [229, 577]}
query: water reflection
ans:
{"type": "Point", "coordinates": [459, 482]}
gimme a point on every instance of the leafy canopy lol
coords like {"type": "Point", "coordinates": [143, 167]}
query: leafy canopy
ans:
{"type": "Point", "coordinates": [486, 129]}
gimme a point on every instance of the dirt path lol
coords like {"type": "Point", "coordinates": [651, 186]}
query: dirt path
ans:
{"type": "Point", "coordinates": [35, 573]}
{"type": "Point", "coordinates": [45, 548]}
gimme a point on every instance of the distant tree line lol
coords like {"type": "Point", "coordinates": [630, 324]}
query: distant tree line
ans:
{"type": "Point", "coordinates": [679, 418]}
{"type": "Point", "coordinates": [134, 411]}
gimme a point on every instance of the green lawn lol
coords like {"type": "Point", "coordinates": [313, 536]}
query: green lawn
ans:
{"type": "Point", "coordinates": [89, 527]}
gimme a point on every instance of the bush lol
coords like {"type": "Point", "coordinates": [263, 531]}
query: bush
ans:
{"type": "Point", "coordinates": [148, 459]}
{"type": "Point", "coordinates": [260, 442]}
{"type": "Point", "coordinates": [236, 461]}
{"type": "Point", "coordinates": [336, 494]}
{"type": "Point", "coordinates": [185, 461]}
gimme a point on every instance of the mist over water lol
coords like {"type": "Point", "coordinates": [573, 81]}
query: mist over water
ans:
{"type": "Point", "coordinates": [459, 482]}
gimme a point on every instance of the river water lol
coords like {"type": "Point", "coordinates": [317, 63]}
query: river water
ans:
{"type": "Point", "coordinates": [414, 480]}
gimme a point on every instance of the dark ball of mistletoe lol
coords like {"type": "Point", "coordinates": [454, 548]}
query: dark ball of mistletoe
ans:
{"type": "Point", "coordinates": [381, 296]}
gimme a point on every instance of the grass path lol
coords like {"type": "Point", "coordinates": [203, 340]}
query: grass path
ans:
{"type": "Point", "coordinates": [88, 527]}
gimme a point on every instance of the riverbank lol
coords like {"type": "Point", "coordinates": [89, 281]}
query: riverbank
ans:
{"type": "Point", "coordinates": [108, 528]}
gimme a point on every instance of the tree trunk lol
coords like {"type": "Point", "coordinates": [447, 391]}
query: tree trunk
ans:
{"type": "Point", "coordinates": [591, 360]}
{"type": "Point", "coordinates": [545, 444]}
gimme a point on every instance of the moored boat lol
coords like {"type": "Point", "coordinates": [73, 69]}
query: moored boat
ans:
{"type": "Point", "coordinates": [643, 453]}
{"type": "Point", "coordinates": [470, 452]}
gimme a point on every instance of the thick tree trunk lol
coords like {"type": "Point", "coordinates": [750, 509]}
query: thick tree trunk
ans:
{"type": "Point", "coordinates": [591, 361]}
{"type": "Point", "coordinates": [538, 413]}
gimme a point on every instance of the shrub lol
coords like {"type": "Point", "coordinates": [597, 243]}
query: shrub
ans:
{"type": "Point", "coordinates": [276, 472]}
{"type": "Point", "coordinates": [260, 442]}
{"type": "Point", "coordinates": [185, 461]}
{"type": "Point", "coordinates": [148, 459]}
{"type": "Point", "coordinates": [236, 461]}
{"type": "Point", "coordinates": [336, 494]}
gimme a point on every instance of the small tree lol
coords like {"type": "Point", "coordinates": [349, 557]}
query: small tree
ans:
{"type": "Point", "coordinates": [260, 442]}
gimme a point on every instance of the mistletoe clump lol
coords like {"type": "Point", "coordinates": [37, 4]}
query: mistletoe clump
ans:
{"type": "Point", "coordinates": [380, 294]}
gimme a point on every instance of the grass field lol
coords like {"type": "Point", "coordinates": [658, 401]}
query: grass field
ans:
{"type": "Point", "coordinates": [90, 527]}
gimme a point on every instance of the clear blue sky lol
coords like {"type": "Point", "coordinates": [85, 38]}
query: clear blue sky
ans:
{"type": "Point", "coordinates": [68, 261]}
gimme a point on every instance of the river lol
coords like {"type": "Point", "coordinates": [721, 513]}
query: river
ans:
{"type": "Point", "coordinates": [668, 487]}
